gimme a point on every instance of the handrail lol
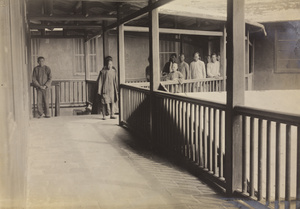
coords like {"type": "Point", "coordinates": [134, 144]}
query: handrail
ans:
{"type": "Point", "coordinates": [221, 106]}
{"type": "Point", "coordinates": [132, 87]}
{"type": "Point", "coordinates": [277, 116]}
{"type": "Point", "coordinates": [193, 80]}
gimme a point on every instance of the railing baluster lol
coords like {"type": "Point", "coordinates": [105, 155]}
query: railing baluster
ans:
{"type": "Point", "coordinates": [221, 167]}
{"type": "Point", "coordinates": [205, 156]}
{"type": "Point", "coordinates": [288, 164]}
{"type": "Point", "coordinates": [182, 128]}
{"type": "Point", "coordinates": [244, 157]}
{"type": "Point", "coordinates": [210, 138]}
{"type": "Point", "coordinates": [200, 136]}
{"type": "Point", "coordinates": [278, 169]}
{"type": "Point", "coordinates": [260, 132]}
{"type": "Point", "coordinates": [197, 150]}
{"type": "Point", "coordinates": [268, 187]}
{"type": "Point", "coordinates": [298, 168]}
{"type": "Point", "coordinates": [73, 92]}
{"type": "Point", "coordinates": [51, 100]}
{"type": "Point", "coordinates": [215, 158]}
{"type": "Point", "coordinates": [77, 91]}
{"type": "Point", "coordinates": [191, 134]}
{"type": "Point", "coordinates": [252, 157]}
{"type": "Point", "coordinates": [188, 128]}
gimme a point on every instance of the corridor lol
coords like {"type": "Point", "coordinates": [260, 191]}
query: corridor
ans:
{"type": "Point", "coordinates": [85, 162]}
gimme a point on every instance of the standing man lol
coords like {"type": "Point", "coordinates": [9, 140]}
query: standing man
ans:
{"type": "Point", "coordinates": [184, 67]}
{"type": "Point", "coordinates": [197, 68]}
{"type": "Point", "coordinates": [107, 87]}
{"type": "Point", "coordinates": [213, 68]}
{"type": "Point", "coordinates": [41, 79]}
{"type": "Point", "coordinates": [168, 66]}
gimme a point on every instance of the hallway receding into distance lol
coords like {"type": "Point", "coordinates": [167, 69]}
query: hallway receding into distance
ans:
{"type": "Point", "coordinates": [85, 162]}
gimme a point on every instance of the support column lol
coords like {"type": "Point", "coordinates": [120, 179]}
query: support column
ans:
{"type": "Point", "coordinates": [105, 41]}
{"type": "Point", "coordinates": [154, 65]}
{"type": "Point", "coordinates": [223, 56]}
{"type": "Point", "coordinates": [235, 93]}
{"type": "Point", "coordinates": [121, 68]}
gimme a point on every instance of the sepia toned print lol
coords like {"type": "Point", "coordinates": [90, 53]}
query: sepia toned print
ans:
{"type": "Point", "coordinates": [149, 104]}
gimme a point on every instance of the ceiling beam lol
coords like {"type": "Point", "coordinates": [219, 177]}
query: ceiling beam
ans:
{"type": "Point", "coordinates": [71, 18]}
{"type": "Point", "coordinates": [113, 1]}
{"type": "Point", "coordinates": [139, 13]}
{"type": "Point", "coordinates": [70, 26]}
{"type": "Point", "coordinates": [175, 31]}
{"type": "Point", "coordinates": [57, 36]}
{"type": "Point", "coordinates": [135, 15]}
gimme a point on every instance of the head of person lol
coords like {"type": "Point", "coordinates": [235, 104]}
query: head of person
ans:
{"type": "Point", "coordinates": [173, 58]}
{"type": "Point", "coordinates": [218, 57]}
{"type": "Point", "coordinates": [214, 57]}
{"type": "Point", "coordinates": [174, 67]}
{"type": "Point", "coordinates": [108, 62]}
{"type": "Point", "coordinates": [196, 56]}
{"type": "Point", "coordinates": [41, 61]}
{"type": "Point", "coordinates": [208, 59]}
{"type": "Point", "coordinates": [182, 57]}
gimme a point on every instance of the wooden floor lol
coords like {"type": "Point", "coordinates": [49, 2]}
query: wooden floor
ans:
{"type": "Point", "coordinates": [85, 162]}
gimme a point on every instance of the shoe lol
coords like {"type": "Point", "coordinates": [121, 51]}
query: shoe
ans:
{"type": "Point", "coordinates": [47, 116]}
{"type": "Point", "coordinates": [104, 118]}
{"type": "Point", "coordinates": [39, 116]}
{"type": "Point", "coordinates": [113, 117]}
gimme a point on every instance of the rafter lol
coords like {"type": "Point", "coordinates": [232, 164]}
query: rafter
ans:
{"type": "Point", "coordinates": [71, 18]}
{"type": "Point", "coordinates": [69, 26]}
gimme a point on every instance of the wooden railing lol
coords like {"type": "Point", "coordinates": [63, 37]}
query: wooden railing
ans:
{"type": "Point", "coordinates": [136, 109]}
{"type": "Point", "coordinates": [135, 80]}
{"type": "Point", "coordinates": [271, 156]}
{"type": "Point", "coordinates": [193, 129]}
{"type": "Point", "coordinates": [72, 92]}
{"type": "Point", "coordinates": [54, 100]}
{"type": "Point", "coordinates": [195, 85]}
{"type": "Point", "coordinates": [187, 127]}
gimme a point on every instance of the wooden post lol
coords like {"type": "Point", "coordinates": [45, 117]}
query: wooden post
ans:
{"type": "Point", "coordinates": [154, 65]}
{"type": "Point", "coordinates": [223, 56]}
{"type": "Point", "coordinates": [105, 41]}
{"type": "Point", "coordinates": [235, 93]}
{"type": "Point", "coordinates": [121, 68]}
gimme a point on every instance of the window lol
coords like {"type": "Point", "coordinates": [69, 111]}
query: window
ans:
{"type": "Point", "coordinates": [79, 64]}
{"type": "Point", "coordinates": [92, 53]}
{"type": "Point", "coordinates": [166, 49]}
{"type": "Point", "coordinates": [287, 49]}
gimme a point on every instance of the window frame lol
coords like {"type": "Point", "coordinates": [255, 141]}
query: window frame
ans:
{"type": "Point", "coordinates": [277, 69]}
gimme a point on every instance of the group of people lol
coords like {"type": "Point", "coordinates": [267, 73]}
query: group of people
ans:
{"type": "Point", "coordinates": [196, 70]}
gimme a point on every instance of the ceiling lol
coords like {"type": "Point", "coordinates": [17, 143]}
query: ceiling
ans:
{"type": "Point", "coordinates": [72, 18]}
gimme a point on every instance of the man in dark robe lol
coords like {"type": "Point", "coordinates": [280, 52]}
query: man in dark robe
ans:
{"type": "Point", "coordinates": [168, 66]}
{"type": "Point", "coordinates": [41, 79]}
{"type": "Point", "coordinates": [107, 87]}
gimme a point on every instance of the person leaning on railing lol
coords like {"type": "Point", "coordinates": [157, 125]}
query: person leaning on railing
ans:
{"type": "Point", "coordinates": [213, 68]}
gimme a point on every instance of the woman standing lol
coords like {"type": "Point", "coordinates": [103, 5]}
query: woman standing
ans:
{"type": "Point", "coordinates": [107, 87]}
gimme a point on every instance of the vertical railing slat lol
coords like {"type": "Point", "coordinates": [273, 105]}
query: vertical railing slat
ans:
{"type": "Point", "coordinates": [278, 169]}
{"type": "Point", "coordinates": [244, 157]}
{"type": "Point", "coordinates": [221, 167]}
{"type": "Point", "coordinates": [268, 187]}
{"type": "Point", "coordinates": [298, 168]}
{"type": "Point", "coordinates": [215, 152]}
{"type": "Point", "coordinates": [260, 150]}
{"type": "Point", "coordinates": [288, 164]}
{"type": "Point", "coordinates": [251, 157]}
{"type": "Point", "coordinates": [201, 163]}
